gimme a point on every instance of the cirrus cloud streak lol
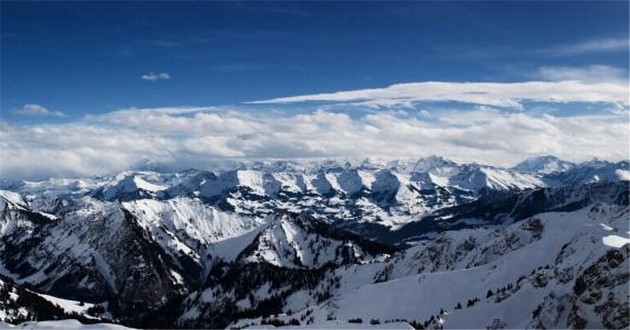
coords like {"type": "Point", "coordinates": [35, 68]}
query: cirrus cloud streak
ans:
{"type": "Point", "coordinates": [509, 95]}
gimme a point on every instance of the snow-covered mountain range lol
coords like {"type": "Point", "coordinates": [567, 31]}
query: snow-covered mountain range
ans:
{"type": "Point", "coordinates": [427, 243]}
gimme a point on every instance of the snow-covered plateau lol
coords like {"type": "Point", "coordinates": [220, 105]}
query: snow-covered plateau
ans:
{"type": "Point", "coordinates": [425, 243]}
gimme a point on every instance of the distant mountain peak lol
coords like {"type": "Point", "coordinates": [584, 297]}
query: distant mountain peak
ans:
{"type": "Point", "coordinates": [428, 163]}
{"type": "Point", "coordinates": [543, 165]}
{"type": "Point", "coordinates": [151, 165]}
{"type": "Point", "coordinates": [595, 162]}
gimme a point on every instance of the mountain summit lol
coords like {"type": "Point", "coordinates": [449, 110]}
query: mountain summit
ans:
{"type": "Point", "coordinates": [543, 165]}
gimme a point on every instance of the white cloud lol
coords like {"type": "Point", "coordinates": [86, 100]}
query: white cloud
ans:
{"type": "Point", "coordinates": [509, 95]}
{"type": "Point", "coordinates": [191, 137]}
{"type": "Point", "coordinates": [156, 76]}
{"type": "Point", "coordinates": [591, 46]}
{"type": "Point", "coordinates": [36, 110]}
{"type": "Point", "coordinates": [593, 73]}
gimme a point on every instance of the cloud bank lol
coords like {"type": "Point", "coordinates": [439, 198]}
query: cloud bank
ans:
{"type": "Point", "coordinates": [194, 136]}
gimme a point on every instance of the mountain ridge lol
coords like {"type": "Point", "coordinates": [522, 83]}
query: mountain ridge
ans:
{"type": "Point", "coordinates": [289, 245]}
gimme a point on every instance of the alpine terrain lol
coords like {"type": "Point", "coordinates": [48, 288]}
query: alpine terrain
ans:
{"type": "Point", "coordinates": [423, 243]}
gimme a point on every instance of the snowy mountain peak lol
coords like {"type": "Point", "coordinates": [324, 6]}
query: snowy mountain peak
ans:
{"type": "Point", "coordinates": [12, 198]}
{"type": "Point", "coordinates": [543, 165]}
{"type": "Point", "coordinates": [151, 166]}
{"type": "Point", "coordinates": [432, 162]}
{"type": "Point", "coordinates": [301, 241]}
{"type": "Point", "coordinates": [594, 163]}
{"type": "Point", "coordinates": [131, 186]}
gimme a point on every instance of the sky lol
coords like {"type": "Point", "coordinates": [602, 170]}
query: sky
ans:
{"type": "Point", "coordinates": [95, 87]}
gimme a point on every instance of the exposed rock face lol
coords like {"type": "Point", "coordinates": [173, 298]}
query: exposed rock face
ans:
{"type": "Point", "coordinates": [598, 298]}
{"type": "Point", "coordinates": [603, 287]}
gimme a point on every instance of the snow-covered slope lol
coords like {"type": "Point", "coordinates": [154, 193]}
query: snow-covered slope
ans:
{"type": "Point", "coordinates": [301, 241]}
{"type": "Point", "coordinates": [24, 306]}
{"type": "Point", "coordinates": [184, 225]}
{"type": "Point", "coordinates": [63, 324]}
{"type": "Point", "coordinates": [555, 270]}
{"type": "Point", "coordinates": [78, 254]}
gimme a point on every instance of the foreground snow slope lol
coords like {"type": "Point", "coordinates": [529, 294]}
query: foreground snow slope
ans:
{"type": "Point", "coordinates": [551, 254]}
{"type": "Point", "coordinates": [62, 324]}
{"type": "Point", "coordinates": [570, 242]}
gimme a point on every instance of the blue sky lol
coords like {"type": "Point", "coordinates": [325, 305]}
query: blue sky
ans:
{"type": "Point", "coordinates": [89, 57]}
{"type": "Point", "coordinates": [397, 79]}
